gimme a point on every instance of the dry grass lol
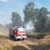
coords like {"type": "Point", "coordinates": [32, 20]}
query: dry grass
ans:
{"type": "Point", "coordinates": [5, 43]}
{"type": "Point", "coordinates": [8, 44]}
{"type": "Point", "coordinates": [45, 40]}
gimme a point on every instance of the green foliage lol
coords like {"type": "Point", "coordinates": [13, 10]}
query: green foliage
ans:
{"type": "Point", "coordinates": [16, 19]}
{"type": "Point", "coordinates": [29, 12]}
{"type": "Point", "coordinates": [41, 17]}
{"type": "Point", "coordinates": [38, 16]}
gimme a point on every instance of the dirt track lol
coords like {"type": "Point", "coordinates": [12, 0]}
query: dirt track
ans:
{"type": "Point", "coordinates": [28, 44]}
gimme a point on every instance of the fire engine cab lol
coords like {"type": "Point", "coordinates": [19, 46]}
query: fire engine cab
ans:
{"type": "Point", "coordinates": [18, 33]}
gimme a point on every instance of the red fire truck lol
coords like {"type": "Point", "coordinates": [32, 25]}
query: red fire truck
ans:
{"type": "Point", "coordinates": [18, 33]}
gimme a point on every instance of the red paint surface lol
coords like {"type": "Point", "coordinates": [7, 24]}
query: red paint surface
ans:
{"type": "Point", "coordinates": [20, 33]}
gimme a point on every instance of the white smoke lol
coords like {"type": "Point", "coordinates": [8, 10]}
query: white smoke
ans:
{"type": "Point", "coordinates": [29, 26]}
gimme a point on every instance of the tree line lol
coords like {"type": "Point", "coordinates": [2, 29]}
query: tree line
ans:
{"type": "Point", "coordinates": [39, 16]}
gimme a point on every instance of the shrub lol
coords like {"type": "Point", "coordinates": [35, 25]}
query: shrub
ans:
{"type": "Point", "coordinates": [40, 35]}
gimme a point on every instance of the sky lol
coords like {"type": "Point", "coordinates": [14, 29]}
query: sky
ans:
{"type": "Point", "coordinates": [9, 6]}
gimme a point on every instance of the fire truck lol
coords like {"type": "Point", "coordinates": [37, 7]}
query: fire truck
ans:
{"type": "Point", "coordinates": [17, 33]}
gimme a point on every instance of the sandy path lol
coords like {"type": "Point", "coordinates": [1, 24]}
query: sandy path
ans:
{"type": "Point", "coordinates": [24, 45]}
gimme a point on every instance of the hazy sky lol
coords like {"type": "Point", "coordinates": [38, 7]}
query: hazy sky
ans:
{"type": "Point", "coordinates": [8, 6]}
